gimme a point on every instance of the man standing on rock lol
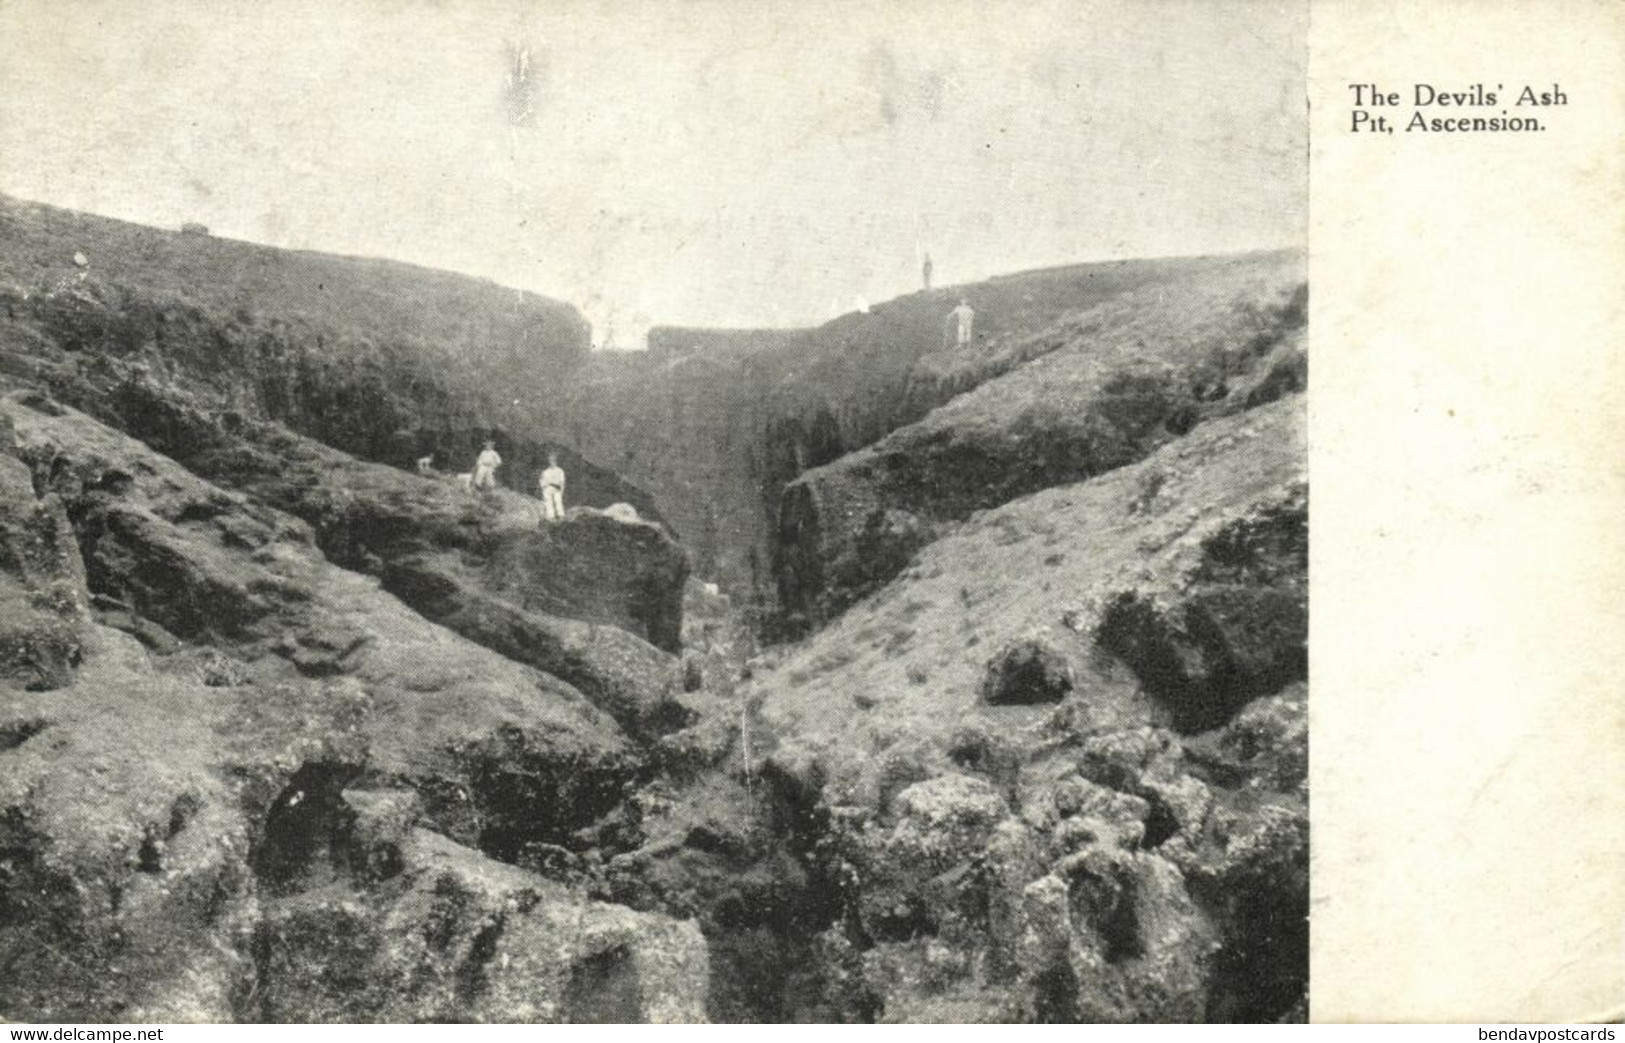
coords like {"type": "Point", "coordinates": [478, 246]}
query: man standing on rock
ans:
{"type": "Point", "coordinates": [552, 482]}
{"type": "Point", "coordinates": [965, 315]}
{"type": "Point", "coordinates": [485, 468]}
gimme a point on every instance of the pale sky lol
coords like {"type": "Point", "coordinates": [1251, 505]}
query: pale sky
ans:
{"type": "Point", "coordinates": [700, 162]}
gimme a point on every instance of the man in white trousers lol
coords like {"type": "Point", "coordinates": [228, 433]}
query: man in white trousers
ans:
{"type": "Point", "coordinates": [552, 483]}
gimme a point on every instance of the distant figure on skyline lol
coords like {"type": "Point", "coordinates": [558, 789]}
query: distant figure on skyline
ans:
{"type": "Point", "coordinates": [965, 316]}
{"type": "Point", "coordinates": [552, 483]}
{"type": "Point", "coordinates": [485, 468]}
{"type": "Point", "coordinates": [925, 270]}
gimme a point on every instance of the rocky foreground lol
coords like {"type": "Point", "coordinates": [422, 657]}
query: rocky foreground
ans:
{"type": "Point", "coordinates": [289, 732]}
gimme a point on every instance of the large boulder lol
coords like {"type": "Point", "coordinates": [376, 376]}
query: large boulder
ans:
{"type": "Point", "coordinates": [1113, 936]}
{"type": "Point", "coordinates": [1237, 629]}
{"type": "Point", "coordinates": [1056, 913]}
{"type": "Point", "coordinates": [450, 935]}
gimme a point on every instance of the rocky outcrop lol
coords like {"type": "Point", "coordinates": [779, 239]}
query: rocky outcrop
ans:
{"type": "Point", "coordinates": [366, 515]}
{"type": "Point", "coordinates": [1240, 629]}
{"type": "Point", "coordinates": [41, 582]}
{"type": "Point", "coordinates": [576, 599]}
{"type": "Point", "coordinates": [123, 880]}
{"type": "Point", "coordinates": [1143, 370]}
{"type": "Point", "coordinates": [259, 779]}
{"type": "Point", "coordinates": [252, 872]}
{"type": "Point", "coordinates": [589, 566]}
{"type": "Point", "coordinates": [1029, 821]}
{"type": "Point", "coordinates": [453, 936]}
{"type": "Point", "coordinates": [208, 567]}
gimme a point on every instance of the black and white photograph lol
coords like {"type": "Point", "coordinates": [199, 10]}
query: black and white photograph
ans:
{"type": "Point", "coordinates": [582, 512]}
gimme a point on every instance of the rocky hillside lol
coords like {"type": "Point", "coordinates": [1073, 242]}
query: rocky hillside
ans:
{"type": "Point", "coordinates": [228, 759]}
{"type": "Point", "coordinates": [385, 361]}
{"type": "Point", "coordinates": [362, 310]}
{"type": "Point", "coordinates": [1053, 770]}
{"type": "Point", "coordinates": [1063, 752]}
{"type": "Point", "coordinates": [290, 732]}
{"type": "Point", "coordinates": [1041, 752]}
{"type": "Point", "coordinates": [287, 733]}
{"type": "Point", "coordinates": [1097, 390]}
{"type": "Point", "coordinates": [717, 424]}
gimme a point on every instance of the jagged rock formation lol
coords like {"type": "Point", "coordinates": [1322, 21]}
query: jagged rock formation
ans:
{"type": "Point", "coordinates": [289, 732]}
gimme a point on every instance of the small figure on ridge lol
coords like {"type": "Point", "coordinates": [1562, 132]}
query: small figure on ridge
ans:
{"type": "Point", "coordinates": [964, 315]}
{"type": "Point", "coordinates": [485, 468]}
{"type": "Point", "coordinates": [552, 483]}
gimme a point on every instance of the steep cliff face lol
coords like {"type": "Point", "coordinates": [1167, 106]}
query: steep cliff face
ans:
{"type": "Point", "coordinates": [687, 430]}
